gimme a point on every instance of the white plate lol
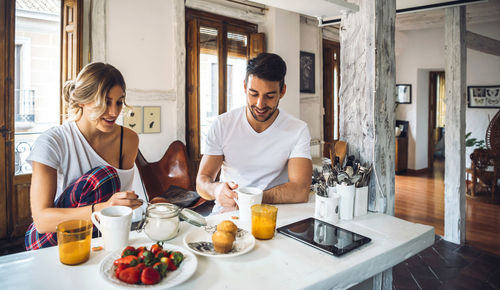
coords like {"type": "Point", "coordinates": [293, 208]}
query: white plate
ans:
{"type": "Point", "coordinates": [185, 270]}
{"type": "Point", "coordinates": [243, 243]}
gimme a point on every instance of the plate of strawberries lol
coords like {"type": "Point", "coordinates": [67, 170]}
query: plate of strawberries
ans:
{"type": "Point", "coordinates": [157, 266]}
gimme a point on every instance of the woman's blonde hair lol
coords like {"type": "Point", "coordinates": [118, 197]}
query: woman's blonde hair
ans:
{"type": "Point", "coordinates": [92, 84]}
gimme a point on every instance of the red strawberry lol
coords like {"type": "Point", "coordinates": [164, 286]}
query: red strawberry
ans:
{"type": "Point", "coordinates": [128, 260]}
{"type": "Point", "coordinates": [129, 251]}
{"type": "Point", "coordinates": [120, 267]}
{"type": "Point", "coordinates": [156, 248]}
{"type": "Point", "coordinates": [130, 275]}
{"type": "Point", "coordinates": [171, 265]}
{"type": "Point", "coordinates": [140, 267]}
{"type": "Point", "coordinates": [150, 276]}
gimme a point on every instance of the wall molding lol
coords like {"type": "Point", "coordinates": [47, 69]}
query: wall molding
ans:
{"type": "Point", "coordinates": [151, 95]}
{"type": "Point", "coordinates": [310, 99]}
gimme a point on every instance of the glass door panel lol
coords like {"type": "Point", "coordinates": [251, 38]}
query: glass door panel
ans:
{"type": "Point", "coordinates": [209, 81]}
{"type": "Point", "coordinates": [37, 75]}
{"type": "Point", "coordinates": [236, 68]}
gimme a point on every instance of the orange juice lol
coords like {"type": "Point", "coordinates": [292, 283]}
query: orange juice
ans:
{"type": "Point", "coordinates": [73, 238]}
{"type": "Point", "coordinates": [76, 252]}
{"type": "Point", "coordinates": [264, 221]}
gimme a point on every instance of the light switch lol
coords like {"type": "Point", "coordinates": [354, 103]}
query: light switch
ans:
{"type": "Point", "coordinates": [152, 119]}
{"type": "Point", "coordinates": [132, 118]}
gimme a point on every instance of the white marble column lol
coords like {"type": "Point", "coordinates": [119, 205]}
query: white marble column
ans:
{"type": "Point", "coordinates": [367, 101]}
{"type": "Point", "coordinates": [367, 117]}
{"type": "Point", "coordinates": [454, 178]}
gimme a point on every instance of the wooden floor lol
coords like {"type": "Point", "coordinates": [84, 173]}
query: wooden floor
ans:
{"type": "Point", "coordinates": [420, 199]}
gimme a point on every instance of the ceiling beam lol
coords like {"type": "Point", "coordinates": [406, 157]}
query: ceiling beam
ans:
{"type": "Point", "coordinates": [482, 43]}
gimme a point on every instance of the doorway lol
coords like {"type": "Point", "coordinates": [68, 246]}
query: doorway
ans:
{"type": "Point", "coordinates": [331, 86]}
{"type": "Point", "coordinates": [437, 112]}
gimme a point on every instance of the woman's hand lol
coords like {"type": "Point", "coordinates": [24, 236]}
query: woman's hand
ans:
{"type": "Point", "coordinates": [125, 198]}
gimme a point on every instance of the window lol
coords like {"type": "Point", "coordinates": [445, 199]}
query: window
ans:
{"type": "Point", "coordinates": [37, 74]}
{"type": "Point", "coordinates": [217, 52]}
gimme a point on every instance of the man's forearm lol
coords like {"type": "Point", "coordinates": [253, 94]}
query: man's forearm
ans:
{"type": "Point", "coordinates": [287, 193]}
{"type": "Point", "coordinates": [205, 186]}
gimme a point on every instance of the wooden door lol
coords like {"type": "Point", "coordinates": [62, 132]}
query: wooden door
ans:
{"type": "Point", "coordinates": [435, 79]}
{"type": "Point", "coordinates": [432, 117]}
{"type": "Point", "coordinates": [15, 212]}
{"type": "Point", "coordinates": [7, 8]}
{"type": "Point", "coordinates": [331, 85]}
{"type": "Point", "coordinates": [71, 43]}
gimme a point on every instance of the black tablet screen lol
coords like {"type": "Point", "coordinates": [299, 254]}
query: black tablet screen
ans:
{"type": "Point", "coordinates": [324, 236]}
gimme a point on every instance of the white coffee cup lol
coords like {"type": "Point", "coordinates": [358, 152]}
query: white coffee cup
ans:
{"type": "Point", "coordinates": [327, 208]}
{"type": "Point", "coordinates": [247, 196]}
{"type": "Point", "coordinates": [114, 223]}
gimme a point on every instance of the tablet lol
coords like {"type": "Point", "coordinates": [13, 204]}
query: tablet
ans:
{"type": "Point", "coordinates": [324, 236]}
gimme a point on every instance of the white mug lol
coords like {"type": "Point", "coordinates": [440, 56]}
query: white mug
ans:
{"type": "Point", "coordinates": [327, 208]}
{"type": "Point", "coordinates": [361, 201]}
{"type": "Point", "coordinates": [114, 223]}
{"type": "Point", "coordinates": [247, 196]}
{"type": "Point", "coordinates": [346, 205]}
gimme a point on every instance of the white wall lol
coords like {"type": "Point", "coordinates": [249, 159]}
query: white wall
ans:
{"type": "Point", "coordinates": [281, 28]}
{"type": "Point", "coordinates": [482, 69]}
{"type": "Point", "coordinates": [421, 51]}
{"type": "Point", "coordinates": [311, 104]}
{"type": "Point", "coordinates": [146, 53]}
{"type": "Point", "coordinates": [140, 43]}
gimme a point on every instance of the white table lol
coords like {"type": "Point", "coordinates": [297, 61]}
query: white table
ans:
{"type": "Point", "coordinates": [280, 263]}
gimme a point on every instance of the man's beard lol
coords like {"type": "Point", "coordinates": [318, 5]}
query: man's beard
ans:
{"type": "Point", "coordinates": [273, 110]}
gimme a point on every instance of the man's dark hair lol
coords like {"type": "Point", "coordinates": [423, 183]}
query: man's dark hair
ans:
{"type": "Point", "coordinates": [267, 66]}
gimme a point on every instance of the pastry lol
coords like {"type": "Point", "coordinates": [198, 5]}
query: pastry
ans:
{"type": "Point", "coordinates": [223, 241]}
{"type": "Point", "coordinates": [227, 226]}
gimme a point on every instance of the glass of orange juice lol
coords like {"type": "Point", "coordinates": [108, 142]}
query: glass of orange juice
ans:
{"type": "Point", "coordinates": [264, 221]}
{"type": "Point", "coordinates": [73, 238]}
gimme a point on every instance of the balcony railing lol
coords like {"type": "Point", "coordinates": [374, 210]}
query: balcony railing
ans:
{"type": "Point", "coordinates": [25, 109]}
{"type": "Point", "coordinates": [22, 149]}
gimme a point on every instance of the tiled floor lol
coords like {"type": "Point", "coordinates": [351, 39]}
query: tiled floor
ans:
{"type": "Point", "coordinates": [448, 266]}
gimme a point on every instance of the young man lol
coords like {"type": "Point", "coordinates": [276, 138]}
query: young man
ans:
{"type": "Point", "coordinates": [257, 145]}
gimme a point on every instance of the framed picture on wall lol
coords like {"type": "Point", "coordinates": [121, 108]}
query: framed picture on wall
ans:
{"type": "Point", "coordinates": [403, 94]}
{"type": "Point", "coordinates": [483, 96]}
{"type": "Point", "coordinates": [151, 119]}
{"type": "Point", "coordinates": [307, 82]}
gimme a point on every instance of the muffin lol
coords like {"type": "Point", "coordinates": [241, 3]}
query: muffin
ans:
{"type": "Point", "coordinates": [228, 227]}
{"type": "Point", "coordinates": [223, 241]}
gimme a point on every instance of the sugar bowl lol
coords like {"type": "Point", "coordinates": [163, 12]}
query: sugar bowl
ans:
{"type": "Point", "coordinates": [161, 220]}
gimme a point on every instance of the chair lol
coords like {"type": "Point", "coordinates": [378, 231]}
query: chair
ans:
{"type": "Point", "coordinates": [167, 180]}
{"type": "Point", "coordinates": [485, 163]}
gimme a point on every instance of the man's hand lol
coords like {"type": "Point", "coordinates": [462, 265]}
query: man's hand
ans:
{"type": "Point", "coordinates": [225, 195]}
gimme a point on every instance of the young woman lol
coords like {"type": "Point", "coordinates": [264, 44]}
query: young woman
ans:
{"type": "Point", "coordinates": [85, 164]}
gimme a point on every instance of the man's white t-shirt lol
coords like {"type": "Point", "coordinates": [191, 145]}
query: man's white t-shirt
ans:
{"type": "Point", "coordinates": [257, 159]}
{"type": "Point", "coordinates": [65, 149]}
